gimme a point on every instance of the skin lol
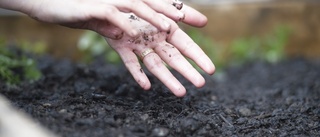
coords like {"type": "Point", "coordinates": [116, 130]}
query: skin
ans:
{"type": "Point", "coordinates": [104, 16]}
{"type": "Point", "coordinates": [169, 48]}
{"type": "Point", "coordinates": [110, 19]}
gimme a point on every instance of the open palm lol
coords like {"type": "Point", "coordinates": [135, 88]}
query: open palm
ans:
{"type": "Point", "coordinates": [155, 49]}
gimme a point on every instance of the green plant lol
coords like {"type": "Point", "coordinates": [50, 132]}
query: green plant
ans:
{"type": "Point", "coordinates": [37, 47]}
{"type": "Point", "coordinates": [92, 45]}
{"type": "Point", "coordinates": [16, 67]}
{"type": "Point", "coordinates": [268, 48]}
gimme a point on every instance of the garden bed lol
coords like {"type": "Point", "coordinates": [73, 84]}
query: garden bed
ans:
{"type": "Point", "coordinates": [98, 100]}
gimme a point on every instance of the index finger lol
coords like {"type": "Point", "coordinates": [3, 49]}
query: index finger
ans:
{"type": "Point", "coordinates": [190, 49]}
{"type": "Point", "coordinates": [155, 65]}
{"type": "Point", "coordinates": [193, 17]}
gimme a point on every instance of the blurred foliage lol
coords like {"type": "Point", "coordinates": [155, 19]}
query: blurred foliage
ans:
{"type": "Point", "coordinates": [15, 66]}
{"type": "Point", "coordinates": [38, 47]}
{"type": "Point", "coordinates": [269, 48]}
{"type": "Point", "coordinates": [93, 45]}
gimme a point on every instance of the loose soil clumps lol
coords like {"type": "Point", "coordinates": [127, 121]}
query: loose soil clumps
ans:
{"type": "Point", "coordinates": [98, 100]}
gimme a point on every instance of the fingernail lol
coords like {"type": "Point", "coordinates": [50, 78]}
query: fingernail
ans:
{"type": "Point", "coordinates": [208, 66]}
{"type": "Point", "coordinates": [181, 16]}
{"type": "Point", "coordinates": [180, 91]}
{"type": "Point", "coordinates": [165, 25]}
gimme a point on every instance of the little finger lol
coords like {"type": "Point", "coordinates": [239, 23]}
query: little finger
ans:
{"type": "Point", "coordinates": [132, 64]}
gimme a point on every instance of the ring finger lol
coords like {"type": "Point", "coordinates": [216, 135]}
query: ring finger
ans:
{"type": "Point", "coordinates": [155, 65]}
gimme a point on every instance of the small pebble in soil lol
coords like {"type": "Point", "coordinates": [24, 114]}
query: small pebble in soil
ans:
{"type": "Point", "coordinates": [144, 117]}
{"type": "Point", "coordinates": [207, 127]}
{"type": "Point", "coordinates": [245, 111]}
{"type": "Point", "coordinates": [98, 96]}
{"type": "Point", "coordinates": [213, 98]}
{"type": "Point", "coordinates": [62, 111]}
{"type": "Point", "coordinates": [228, 111]}
{"type": "Point", "coordinates": [241, 121]}
{"type": "Point", "coordinates": [160, 132]}
{"type": "Point", "coordinates": [46, 105]}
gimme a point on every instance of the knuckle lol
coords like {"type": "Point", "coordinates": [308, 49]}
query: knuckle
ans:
{"type": "Point", "coordinates": [130, 62]}
{"type": "Point", "coordinates": [111, 10]}
{"type": "Point", "coordinates": [135, 3]}
{"type": "Point", "coordinates": [175, 60]}
{"type": "Point", "coordinates": [156, 64]}
{"type": "Point", "coordinates": [188, 46]}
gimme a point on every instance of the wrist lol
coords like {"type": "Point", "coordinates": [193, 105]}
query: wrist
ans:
{"type": "Point", "coordinates": [24, 6]}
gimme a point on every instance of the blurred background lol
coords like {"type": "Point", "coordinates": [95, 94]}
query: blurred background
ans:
{"type": "Point", "coordinates": [237, 31]}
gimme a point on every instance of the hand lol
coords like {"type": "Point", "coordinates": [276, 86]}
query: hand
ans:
{"type": "Point", "coordinates": [154, 47]}
{"type": "Point", "coordinates": [102, 16]}
{"type": "Point", "coordinates": [106, 18]}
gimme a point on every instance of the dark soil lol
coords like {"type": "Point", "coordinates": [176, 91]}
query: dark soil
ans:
{"type": "Point", "coordinates": [257, 99]}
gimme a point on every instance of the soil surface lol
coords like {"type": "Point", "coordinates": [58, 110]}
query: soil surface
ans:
{"type": "Point", "coordinates": [98, 100]}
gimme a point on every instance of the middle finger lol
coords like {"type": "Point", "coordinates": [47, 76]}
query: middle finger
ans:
{"type": "Point", "coordinates": [174, 59]}
{"type": "Point", "coordinates": [155, 65]}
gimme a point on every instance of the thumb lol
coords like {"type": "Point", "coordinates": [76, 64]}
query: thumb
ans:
{"type": "Point", "coordinates": [106, 29]}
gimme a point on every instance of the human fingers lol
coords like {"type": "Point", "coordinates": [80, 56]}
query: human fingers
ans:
{"type": "Point", "coordinates": [132, 64]}
{"type": "Point", "coordinates": [144, 11]}
{"type": "Point", "coordinates": [75, 12]}
{"type": "Point", "coordinates": [193, 17]}
{"type": "Point", "coordinates": [191, 50]}
{"type": "Point", "coordinates": [186, 14]}
{"type": "Point", "coordinates": [165, 7]}
{"type": "Point", "coordinates": [155, 65]}
{"type": "Point", "coordinates": [104, 28]}
{"type": "Point", "coordinates": [173, 58]}
{"type": "Point", "coordinates": [113, 15]}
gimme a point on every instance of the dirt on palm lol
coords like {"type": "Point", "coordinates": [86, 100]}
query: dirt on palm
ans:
{"type": "Point", "coordinates": [98, 100]}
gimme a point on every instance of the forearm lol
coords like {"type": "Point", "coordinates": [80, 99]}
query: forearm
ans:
{"type": "Point", "coordinates": [24, 6]}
